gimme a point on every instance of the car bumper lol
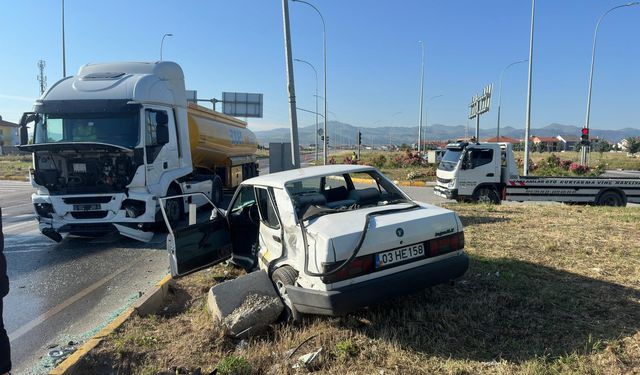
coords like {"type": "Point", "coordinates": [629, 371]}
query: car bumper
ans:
{"type": "Point", "coordinates": [344, 300]}
{"type": "Point", "coordinates": [445, 193]}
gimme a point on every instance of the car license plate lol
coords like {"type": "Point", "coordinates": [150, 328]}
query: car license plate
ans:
{"type": "Point", "coordinates": [402, 254]}
{"type": "Point", "coordinates": [86, 207]}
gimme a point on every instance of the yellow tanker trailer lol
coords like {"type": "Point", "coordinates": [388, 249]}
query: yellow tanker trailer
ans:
{"type": "Point", "coordinates": [221, 145]}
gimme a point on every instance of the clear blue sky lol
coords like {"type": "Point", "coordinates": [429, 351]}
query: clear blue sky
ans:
{"type": "Point", "coordinates": [373, 55]}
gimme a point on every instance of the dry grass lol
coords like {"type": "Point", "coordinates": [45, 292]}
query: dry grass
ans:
{"type": "Point", "coordinates": [550, 289]}
{"type": "Point", "coordinates": [15, 167]}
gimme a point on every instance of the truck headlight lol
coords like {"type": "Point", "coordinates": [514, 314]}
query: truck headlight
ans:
{"type": "Point", "coordinates": [44, 209]}
{"type": "Point", "coordinates": [452, 183]}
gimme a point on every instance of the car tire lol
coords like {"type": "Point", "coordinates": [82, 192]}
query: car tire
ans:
{"type": "Point", "coordinates": [282, 277]}
{"type": "Point", "coordinates": [487, 195]}
{"type": "Point", "coordinates": [611, 198]}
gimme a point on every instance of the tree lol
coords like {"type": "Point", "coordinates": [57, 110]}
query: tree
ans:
{"type": "Point", "coordinates": [633, 145]}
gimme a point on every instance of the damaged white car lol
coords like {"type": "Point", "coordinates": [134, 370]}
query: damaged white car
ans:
{"type": "Point", "coordinates": [332, 238]}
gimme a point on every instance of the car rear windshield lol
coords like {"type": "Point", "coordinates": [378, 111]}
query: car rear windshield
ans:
{"type": "Point", "coordinates": [340, 192]}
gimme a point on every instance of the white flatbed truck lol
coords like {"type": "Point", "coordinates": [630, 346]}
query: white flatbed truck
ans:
{"type": "Point", "coordinates": [487, 172]}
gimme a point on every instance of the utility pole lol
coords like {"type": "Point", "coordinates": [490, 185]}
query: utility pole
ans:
{"type": "Point", "coordinates": [42, 78]}
{"type": "Point", "coordinates": [527, 129]}
{"type": "Point", "coordinates": [421, 95]}
{"type": "Point", "coordinates": [295, 148]}
{"type": "Point", "coordinates": [64, 52]}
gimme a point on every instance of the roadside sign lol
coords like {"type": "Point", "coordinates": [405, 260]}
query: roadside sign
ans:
{"type": "Point", "coordinates": [242, 104]}
{"type": "Point", "coordinates": [480, 103]}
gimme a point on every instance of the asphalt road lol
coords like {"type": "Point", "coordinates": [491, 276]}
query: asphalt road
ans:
{"type": "Point", "coordinates": [62, 292]}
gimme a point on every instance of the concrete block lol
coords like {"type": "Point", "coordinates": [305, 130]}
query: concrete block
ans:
{"type": "Point", "coordinates": [246, 304]}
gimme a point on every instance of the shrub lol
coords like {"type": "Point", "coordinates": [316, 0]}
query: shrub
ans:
{"type": "Point", "coordinates": [233, 365]}
{"type": "Point", "coordinates": [378, 160]}
{"type": "Point", "coordinates": [553, 161]}
{"type": "Point", "coordinates": [578, 169]}
{"type": "Point", "coordinates": [346, 348]}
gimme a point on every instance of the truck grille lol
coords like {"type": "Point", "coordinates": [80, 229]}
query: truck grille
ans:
{"type": "Point", "coordinates": [443, 180]}
{"type": "Point", "coordinates": [87, 200]}
{"type": "Point", "coordinates": [89, 214]}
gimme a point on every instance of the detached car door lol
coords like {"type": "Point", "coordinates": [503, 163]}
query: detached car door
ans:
{"type": "Point", "coordinates": [197, 245]}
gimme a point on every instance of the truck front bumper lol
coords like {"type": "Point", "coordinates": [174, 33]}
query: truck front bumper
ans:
{"type": "Point", "coordinates": [347, 299]}
{"type": "Point", "coordinates": [95, 214]}
{"type": "Point", "coordinates": [445, 193]}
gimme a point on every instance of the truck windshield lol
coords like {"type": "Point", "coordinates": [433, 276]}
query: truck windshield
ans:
{"type": "Point", "coordinates": [119, 129]}
{"type": "Point", "coordinates": [450, 160]}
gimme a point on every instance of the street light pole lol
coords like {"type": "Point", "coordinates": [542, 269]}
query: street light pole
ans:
{"type": "Point", "coordinates": [162, 44]}
{"type": "Point", "coordinates": [316, 96]}
{"type": "Point", "coordinates": [530, 76]}
{"type": "Point", "coordinates": [291, 87]}
{"type": "Point", "coordinates": [426, 122]}
{"type": "Point", "coordinates": [421, 95]}
{"type": "Point", "coordinates": [324, 54]}
{"type": "Point", "coordinates": [500, 95]}
{"type": "Point", "coordinates": [64, 57]}
{"type": "Point", "coordinates": [584, 149]}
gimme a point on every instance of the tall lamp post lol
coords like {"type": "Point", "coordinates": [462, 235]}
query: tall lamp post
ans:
{"type": "Point", "coordinates": [162, 44]}
{"type": "Point", "coordinates": [500, 95]}
{"type": "Point", "coordinates": [64, 57]}
{"type": "Point", "coordinates": [421, 95]}
{"type": "Point", "coordinates": [316, 96]}
{"type": "Point", "coordinates": [324, 54]}
{"type": "Point", "coordinates": [426, 122]}
{"type": "Point", "coordinates": [527, 128]}
{"type": "Point", "coordinates": [593, 58]}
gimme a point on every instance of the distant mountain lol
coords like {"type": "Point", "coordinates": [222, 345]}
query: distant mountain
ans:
{"type": "Point", "coordinates": [346, 133]}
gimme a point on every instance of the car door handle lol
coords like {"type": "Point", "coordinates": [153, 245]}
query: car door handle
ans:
{"type": "Point", "coordinates": [276, 238]}
{"type": "Point", "coordinates": [489, 174]}
{"type": "Point", "coordinates": [165, 165]}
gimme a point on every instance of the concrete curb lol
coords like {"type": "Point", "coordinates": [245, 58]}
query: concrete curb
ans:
{"type": "Point", "coordinates": [149, 303]}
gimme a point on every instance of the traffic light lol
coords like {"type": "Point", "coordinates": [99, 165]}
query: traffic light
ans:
{"type": "Point", "coordinates": [359, 138]}
{"type": "Point", "coordinates": [585, 136]}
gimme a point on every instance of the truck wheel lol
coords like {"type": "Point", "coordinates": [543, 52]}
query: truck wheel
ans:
{"type": "Point", "coordinates": [216, 190]}
{"type": "Point", "coordinates": [487, 195]}
{"type": "Point", "coordinates": [174, 207]}
{"type": "Point", "coordinates": [611, 198]}
{"type": "Point", "coordinates": [281, 277]}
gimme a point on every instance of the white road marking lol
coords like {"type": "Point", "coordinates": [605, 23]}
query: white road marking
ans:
{"type": "Point", "coordinates": [68, 302]}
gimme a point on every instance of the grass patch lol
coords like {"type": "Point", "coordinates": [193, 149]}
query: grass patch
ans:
{"type": "Point", "coordinates": [550, 290]}
{"type": "Point", "coordinates": [15, 167]}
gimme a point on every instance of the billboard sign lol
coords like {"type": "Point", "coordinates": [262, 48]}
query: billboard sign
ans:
{"type": "Point", "coordinates": [241, 104]}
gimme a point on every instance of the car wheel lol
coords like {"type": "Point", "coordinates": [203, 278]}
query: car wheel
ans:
{"type": "Point", "coordinates": [610, 198]}
{"type": "Point", "coordinates": [487, 195]}
{"type": "Point", "coordinates": [282, 277]}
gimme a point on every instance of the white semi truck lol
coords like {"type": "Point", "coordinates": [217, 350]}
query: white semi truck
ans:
{"type": "Point", "coordinates": [487, 172]}
{"type": "Point", "coordinates": [112, 140]}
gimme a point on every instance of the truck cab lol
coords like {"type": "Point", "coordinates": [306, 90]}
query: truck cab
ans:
{"type": "Point", "coordinates": [475, 171]}
{"type": "Point", "coordinates": [106, 144]}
